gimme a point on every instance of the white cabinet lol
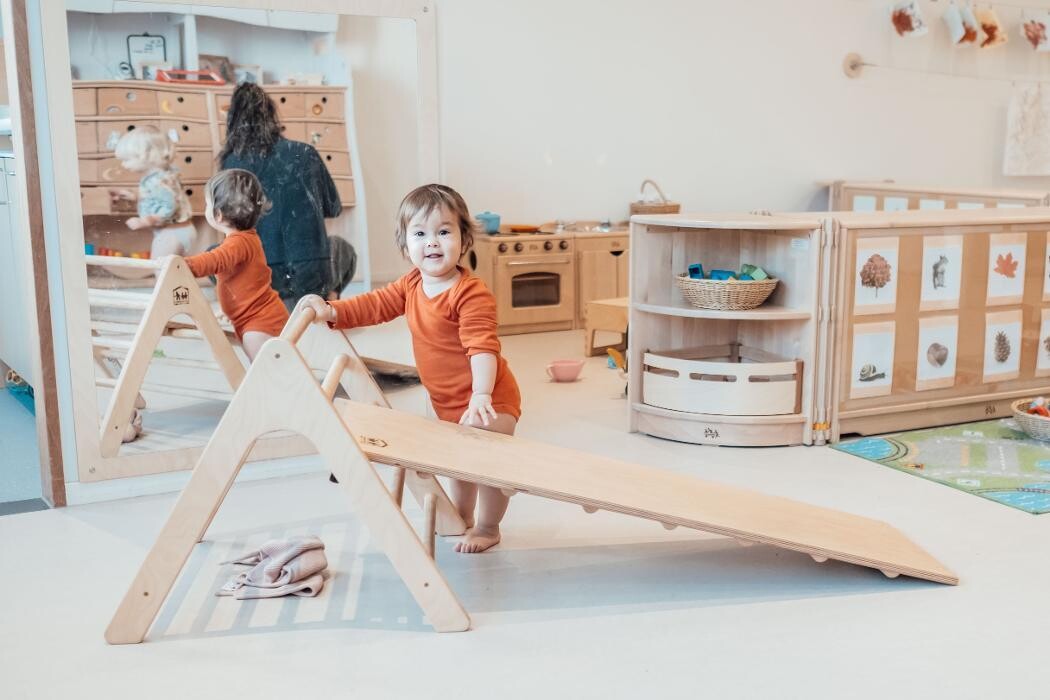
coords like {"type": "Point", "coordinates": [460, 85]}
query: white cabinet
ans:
{"type": "Point", "coordinates": [17, 309]}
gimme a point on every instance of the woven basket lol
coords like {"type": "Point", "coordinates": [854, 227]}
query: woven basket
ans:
{"type": "Point", "coordinates": [725, 295]}
{"type": "Point", "coordinates": [662, 207]}
{"type": "Point", "coordinates": [1035, 426]}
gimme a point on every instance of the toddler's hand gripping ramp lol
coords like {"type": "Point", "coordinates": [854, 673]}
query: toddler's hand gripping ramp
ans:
{"type": "Point", "coordinates": [280, 393]}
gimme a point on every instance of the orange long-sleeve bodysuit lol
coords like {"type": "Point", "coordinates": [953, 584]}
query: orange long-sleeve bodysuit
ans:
{"type": "Point", "coordinates": [447, 330]}
{"type": "Point", "coordinates": [244, 290]}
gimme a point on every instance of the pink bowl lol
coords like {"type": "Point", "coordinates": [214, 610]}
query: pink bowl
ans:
{"type": "Point", "coordinates": [564, 370]}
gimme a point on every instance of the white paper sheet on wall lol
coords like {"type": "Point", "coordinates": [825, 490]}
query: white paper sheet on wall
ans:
{"type": "Point", "coordinates": [1027, 150]}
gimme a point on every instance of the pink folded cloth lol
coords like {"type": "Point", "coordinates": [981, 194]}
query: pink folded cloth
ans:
{"type": "Point", "coordinates": [306, 588]}
{"type": "Point", "coordinates": [280, 567]}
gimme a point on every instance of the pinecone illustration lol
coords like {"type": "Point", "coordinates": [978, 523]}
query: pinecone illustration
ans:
{"type": "Point", "coordinates": [1002, 347]}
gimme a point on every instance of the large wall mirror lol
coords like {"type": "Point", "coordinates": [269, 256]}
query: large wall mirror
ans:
{"type": "Point", "coordinates": [148, 88]}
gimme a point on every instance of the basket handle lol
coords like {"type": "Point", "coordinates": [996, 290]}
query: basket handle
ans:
{"type": "Point", "coordinates": [660, 192]}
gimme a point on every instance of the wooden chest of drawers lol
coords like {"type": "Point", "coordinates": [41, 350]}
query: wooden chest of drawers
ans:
{"type": "Point", "coordinates": [195, 117]}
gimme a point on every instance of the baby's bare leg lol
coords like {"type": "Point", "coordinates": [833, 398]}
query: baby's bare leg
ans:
{"type": "Point", "coordinates": [252, 343]}
{"type": "Point", "coordinates": [485, 533]}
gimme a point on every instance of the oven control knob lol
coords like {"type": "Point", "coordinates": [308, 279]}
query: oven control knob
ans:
{"type": "Point", "coordinates": [518, 247]}
{"type": "Point", "coordinates": [564, 245]}
{"type": "Point", "coordinates": [503, 247]}
{"type": "Point", "coordinates": [547, 245]}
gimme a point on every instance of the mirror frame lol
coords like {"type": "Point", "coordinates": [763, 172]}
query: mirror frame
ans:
{"type": "Point", "coordinates": [78, 405]}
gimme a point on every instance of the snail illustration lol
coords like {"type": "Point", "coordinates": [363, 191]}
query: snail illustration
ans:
{"type": "Point", "coordinates": [869, 373]}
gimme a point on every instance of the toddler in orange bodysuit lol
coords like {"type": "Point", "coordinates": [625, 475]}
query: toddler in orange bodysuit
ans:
{"type": "Point", "coordinates": [234, 204]}
{"type": "Point", "coordinates": [452, 317]}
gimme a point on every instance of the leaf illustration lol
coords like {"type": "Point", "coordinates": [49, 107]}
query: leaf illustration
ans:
{"type": "Point", "coordinates": [1006, 265]}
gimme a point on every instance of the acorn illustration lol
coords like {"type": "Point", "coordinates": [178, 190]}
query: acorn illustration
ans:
{"type": "Point", "coordinates": [937, 354]}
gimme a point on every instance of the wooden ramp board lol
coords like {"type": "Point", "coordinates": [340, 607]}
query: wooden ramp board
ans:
{"type": "Point", "coordinates": [400, 439]}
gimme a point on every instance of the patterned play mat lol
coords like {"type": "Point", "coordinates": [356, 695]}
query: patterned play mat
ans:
{"type": "Point", "coordinates": [992, 459]}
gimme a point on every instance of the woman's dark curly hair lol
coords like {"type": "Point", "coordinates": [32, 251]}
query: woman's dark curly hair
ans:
{"type": "Point", "coordinates": [252, 126]}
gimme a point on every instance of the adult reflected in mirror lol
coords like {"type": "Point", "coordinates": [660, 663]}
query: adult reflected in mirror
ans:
{"type": "Point", "coordinates": [296, 180]}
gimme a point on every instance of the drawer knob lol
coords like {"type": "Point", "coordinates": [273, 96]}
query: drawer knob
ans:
{"type": "Point", "coordinates": [130, 96]}
{"type": "Point", "coordinates": [180, 98]}
{"type": "Point", "coordinates": [324, 100]}
{"type": "Point", "coordinates": [283, 100]}
{"type": "Point", "coordinates": [185, 127]}
{"type": "Point", "coordinates": [131, 127]}
{"type": "Point", "coordinates": [189, 192]}
{"type": "Point", "coordinates": [189, 159]}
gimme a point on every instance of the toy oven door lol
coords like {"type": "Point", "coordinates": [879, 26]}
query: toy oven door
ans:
{"type": "Point", "coordinates": [534, 289]}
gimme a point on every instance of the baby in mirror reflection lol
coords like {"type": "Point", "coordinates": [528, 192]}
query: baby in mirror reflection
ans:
{"type": "Point", "coordinates": [161, 200]}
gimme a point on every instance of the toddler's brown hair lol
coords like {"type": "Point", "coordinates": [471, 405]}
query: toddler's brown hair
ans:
{"type": "Point", "coordinates": [239, 196]}
{"type": "Point", "coordinates": [426, 199]}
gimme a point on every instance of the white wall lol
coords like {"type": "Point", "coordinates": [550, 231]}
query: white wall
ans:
{"type": "Point", "coordinates": [383, 55]}
{"type": "Point", "coordinates": [554, 109]}
{"type": "Point", "coordinates": [98, 43]}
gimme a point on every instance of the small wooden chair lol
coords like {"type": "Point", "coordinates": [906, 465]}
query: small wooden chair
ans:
{"type": "Point", "coordinates": [605, 315]}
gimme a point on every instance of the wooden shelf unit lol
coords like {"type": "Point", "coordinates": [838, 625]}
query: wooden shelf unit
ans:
{"type": "Point", "coordinates": [886, 386]}
{"type": "Point", "coordinates": [790, 248]}
{"type": "Point", "coordinates": [888, 196]}
{"type": "Point", "coordinates": [972, 393]}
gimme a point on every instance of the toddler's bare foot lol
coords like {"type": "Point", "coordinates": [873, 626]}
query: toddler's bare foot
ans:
{"type": "Point", "coordinates": [478, 539]}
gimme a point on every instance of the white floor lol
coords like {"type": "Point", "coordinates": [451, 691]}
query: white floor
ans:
{"type": "Point", "coordinates": [570, 605]}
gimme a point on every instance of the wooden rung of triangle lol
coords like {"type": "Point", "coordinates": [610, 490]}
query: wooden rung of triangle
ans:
{"type": "Point", "coordinates": [175, 293]}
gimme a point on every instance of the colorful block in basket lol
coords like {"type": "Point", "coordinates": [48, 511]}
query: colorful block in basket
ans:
{"type": "Point", "coordinates": [723, 275]}
{"type": "Point", "coordinates": [696, 271]}
{"type": "Point", "coordinates": [744, 277]}
{"type": "Point", "coordinates": [757, 273]}
{"type": "Point", "coordinates": [1038, 407]}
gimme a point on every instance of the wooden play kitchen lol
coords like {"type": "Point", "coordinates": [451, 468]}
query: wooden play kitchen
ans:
{"type": "Point", "coordinates": [878, 322]}
{"type": "Point", "coordinates": [544, 277]}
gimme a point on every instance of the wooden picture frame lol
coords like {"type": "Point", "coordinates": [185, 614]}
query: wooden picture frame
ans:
{"type": "Point", "coordinates": [221, 65]}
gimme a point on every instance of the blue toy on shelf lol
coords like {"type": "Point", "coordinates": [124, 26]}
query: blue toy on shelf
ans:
{"type": "Point", "coordinates": [696, 271]}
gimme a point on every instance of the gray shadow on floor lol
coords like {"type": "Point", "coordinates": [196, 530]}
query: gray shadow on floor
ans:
{"type": "Point", "coordinates": [547, 584]}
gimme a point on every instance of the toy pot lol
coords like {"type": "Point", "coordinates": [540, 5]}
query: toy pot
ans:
{"type": "Point", "coordinates": [564, 370]}
{"type": "Point", "coordinates": [489, 221]}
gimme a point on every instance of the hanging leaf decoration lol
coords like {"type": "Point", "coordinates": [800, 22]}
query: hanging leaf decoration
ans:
{"type": "Point", "coordinates": [1006, 266]}
{"type": "Point", "coordinates": [902, 21]}
{"type": "Point", "coordinates": [1035, 32]}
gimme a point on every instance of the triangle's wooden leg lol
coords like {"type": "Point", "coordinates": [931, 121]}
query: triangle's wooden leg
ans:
{"type": "Point", "coordinates": [176, 292]}
{"type": "Point", "coordinates": [281, 393]}
{"type": "Point", "coordinates": [133, 372]}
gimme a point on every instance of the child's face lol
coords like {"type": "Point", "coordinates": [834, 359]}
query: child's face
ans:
{"type": "Point", "coordinates": [434, 242]}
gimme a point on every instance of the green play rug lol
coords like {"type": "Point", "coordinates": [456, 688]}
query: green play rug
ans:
{"type": "Point", "coordinates": [992, 459]}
